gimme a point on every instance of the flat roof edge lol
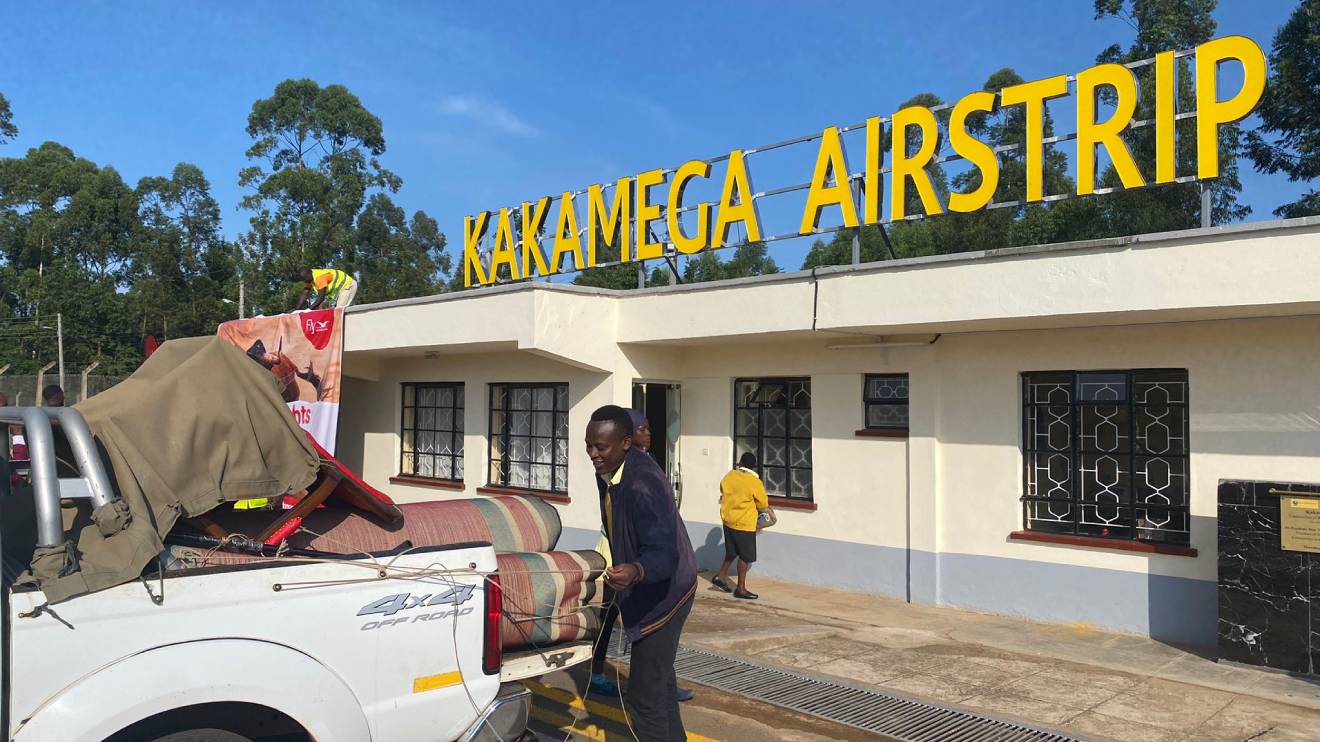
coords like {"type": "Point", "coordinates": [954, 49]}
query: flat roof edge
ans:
{"type": "Point", "coordinates": [1151, 238]}
{"type": "Point", "coordinates": [507, 288]}
{"type": "Point", "coordinates": [1148, 238]}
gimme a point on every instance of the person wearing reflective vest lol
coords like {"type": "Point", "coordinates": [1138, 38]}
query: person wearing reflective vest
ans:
{"type": "Point", "coordinates": [325, 286]}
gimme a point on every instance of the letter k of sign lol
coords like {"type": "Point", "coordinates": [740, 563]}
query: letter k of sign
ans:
{"type": "Point", "coordinates": [473, 230]}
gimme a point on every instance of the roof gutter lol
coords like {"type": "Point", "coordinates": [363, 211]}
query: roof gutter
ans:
{"type": "Point", "coordinates": [882, 341]}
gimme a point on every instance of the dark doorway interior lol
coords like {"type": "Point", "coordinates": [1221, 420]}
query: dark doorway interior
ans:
{"type": "Point", "coordinates": [659, 402]}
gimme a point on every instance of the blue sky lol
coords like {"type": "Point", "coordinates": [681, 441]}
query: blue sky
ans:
{"type": "Point", "coordinates": [487, 105]}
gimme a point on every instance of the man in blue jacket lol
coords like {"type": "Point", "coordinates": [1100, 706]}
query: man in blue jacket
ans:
{"type": "Point", "coordinates": [654, 573]}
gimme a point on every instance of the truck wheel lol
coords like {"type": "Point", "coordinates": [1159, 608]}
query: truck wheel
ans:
{"type": "Point", "coordinates": [202, 735]}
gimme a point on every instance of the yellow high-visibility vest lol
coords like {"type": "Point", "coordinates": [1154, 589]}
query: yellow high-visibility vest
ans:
{"type": "Point", "coordinates": [331, 280]}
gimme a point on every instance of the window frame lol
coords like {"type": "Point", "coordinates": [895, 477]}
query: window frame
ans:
{"type": "Point", "coordinates": [868, 402]}
{"type": "Point", "coordinates": [1077, 453]}
{"type": "Point", "coordinates": [458, 451]}
{"type": "Point", "coordinates": [788, 497]}
{"type": "Point", "coordinates": [557, 488]}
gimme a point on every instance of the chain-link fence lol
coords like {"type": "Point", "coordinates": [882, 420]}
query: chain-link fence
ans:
{"type": "Point", "coordinates": [25, 390]}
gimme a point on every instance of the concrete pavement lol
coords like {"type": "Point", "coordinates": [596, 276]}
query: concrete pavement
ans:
{"type": "Point", "coordinates": [1076, 678]}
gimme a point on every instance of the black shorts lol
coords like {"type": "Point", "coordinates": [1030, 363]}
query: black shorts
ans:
{"type": "Point", "coordinates": [741, 544]}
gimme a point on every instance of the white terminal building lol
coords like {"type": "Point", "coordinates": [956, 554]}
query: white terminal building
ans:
{"type": "Point", "coordinates": [1036, 431]}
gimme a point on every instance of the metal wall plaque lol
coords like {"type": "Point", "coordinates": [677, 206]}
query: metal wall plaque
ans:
{"type": "Point", "coordinates": [1300, 525]}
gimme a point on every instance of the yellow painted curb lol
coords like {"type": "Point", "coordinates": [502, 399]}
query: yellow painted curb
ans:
{"type": "Point", "coordinates": [570, 699]}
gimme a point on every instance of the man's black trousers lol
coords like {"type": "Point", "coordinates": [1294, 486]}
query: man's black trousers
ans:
{"type": "Point", "coordinates": [606, 628]}
{"type": "Point", "coordinates": [652, 687]}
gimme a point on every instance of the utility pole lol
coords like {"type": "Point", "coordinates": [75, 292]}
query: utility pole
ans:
{"type": "Point", "coordinates": [59, 335]}
{"type": "Point", "coordinates": [85, 373]}
{"type": "Point", "coordinates": [240, 296]}
{"type": "Point", "coordinates": [41, 381]}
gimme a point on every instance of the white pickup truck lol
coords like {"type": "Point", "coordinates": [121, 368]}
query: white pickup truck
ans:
{"type": "Point", "coordinates": [395, 647]}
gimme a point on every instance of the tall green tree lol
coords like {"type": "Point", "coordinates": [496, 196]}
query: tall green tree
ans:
{"type": "Point", "coordinates": [181, 270]}
{"type": "Point", "coordinates": [7, 129]}
{"type": "Point", "coordinates": [67, 231]}
{"type": "Point", "coordinates": [1290, 109]}
{"type": "Point", "coordinates": [395, 257]}
{"type": "Point", "coordinates": [317, 149]}
{"type": "Point", "coordinates": [1161, 25]}
{"type": "Point", "coordinates": [748, 259]}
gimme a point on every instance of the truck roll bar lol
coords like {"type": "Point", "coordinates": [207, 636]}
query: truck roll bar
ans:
{"type": "Point", "coordinates": [45, 484]}
{"type": "Point", "coordinates": [84, 452]}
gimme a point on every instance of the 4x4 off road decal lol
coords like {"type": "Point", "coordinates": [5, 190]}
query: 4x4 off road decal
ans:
{"type": "Point", "coordinates": [392, 604]}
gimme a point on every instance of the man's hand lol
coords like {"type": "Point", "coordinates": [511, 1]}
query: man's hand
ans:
{"type": "Point", "coordinates": [623, 576]}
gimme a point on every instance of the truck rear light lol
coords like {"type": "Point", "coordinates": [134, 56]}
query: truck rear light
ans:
{"type": "Point", "coordinates": [492, 654]}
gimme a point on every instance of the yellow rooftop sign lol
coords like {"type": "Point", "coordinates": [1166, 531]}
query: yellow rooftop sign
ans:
{"type": "Point", "coordinates": [621, 212]}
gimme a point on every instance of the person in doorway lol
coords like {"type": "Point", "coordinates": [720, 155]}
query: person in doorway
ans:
{"type": "Point", "coordinates": [742, 498]}
{"type": "Point", "coordinates": [600, 684]}
{"type": "Point", "coordinates": [654, 572]}
{"type": "Point", "coordinates": [12, 445]}
{"type": "Point", "coordinates": [325, 286]}
{"type": "Point", "coordinates": [641, 437]}
{"type": "Point", "coordinates": [52, 396]}
{"type": "Point", "coordinates": [6, 429]}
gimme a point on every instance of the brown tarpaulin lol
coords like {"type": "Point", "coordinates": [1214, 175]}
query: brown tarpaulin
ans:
{"type": "Point", "coordinates": [199, 424]}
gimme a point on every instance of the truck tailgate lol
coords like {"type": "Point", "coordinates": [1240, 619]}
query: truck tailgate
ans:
{"type": "Point", "coordinates": [533, 663]}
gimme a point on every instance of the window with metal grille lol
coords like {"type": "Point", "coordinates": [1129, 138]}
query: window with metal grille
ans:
{"type": "Point", "coordinates": [772, 419]}
{"type": "Point", "coordinates": [432, 431]}
{"type": "Point", "coordinates": [529, 436]}
{"type": "Point", "coordinates": [885, 397]}
{"type": "Point", "coordinates": [1106, 454]}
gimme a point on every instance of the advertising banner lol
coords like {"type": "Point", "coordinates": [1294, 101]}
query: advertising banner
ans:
{"type": "Point", "coordinates": [304, 350]}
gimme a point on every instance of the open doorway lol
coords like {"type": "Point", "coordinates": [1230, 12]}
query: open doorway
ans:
{"type": "Point", "coordinates": [659, 402]}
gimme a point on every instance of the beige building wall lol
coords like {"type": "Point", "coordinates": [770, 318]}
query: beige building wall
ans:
{"type": "Point", "coordinates": [929, 517]}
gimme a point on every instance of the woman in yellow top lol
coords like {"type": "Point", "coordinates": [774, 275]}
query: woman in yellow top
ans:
{"type": "Point", "coordinates": [742, 498]}
{"type": "Point", "coordinates": [331, 287]}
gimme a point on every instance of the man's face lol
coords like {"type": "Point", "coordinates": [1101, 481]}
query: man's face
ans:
{"type": "Point", "coordinates": [606, 445]}
{"type": "Point", "coordinates": [56, 400]}
{"type": "Point", "coordinates": [641, 436]}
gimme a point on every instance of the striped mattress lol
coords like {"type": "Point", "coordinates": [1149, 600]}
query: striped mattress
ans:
{"type": "Point", "coordinates": [550, 597]}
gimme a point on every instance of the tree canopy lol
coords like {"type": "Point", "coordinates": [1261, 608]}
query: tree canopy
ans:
{"type": "Point", "coordinates": [1290, 109]}
{"type": "Point", "coordinates": [321, 198]}
{"type": "Point", "coordinates": [7, 129]}
{"type": "Point", "coordinates": [119, 262]}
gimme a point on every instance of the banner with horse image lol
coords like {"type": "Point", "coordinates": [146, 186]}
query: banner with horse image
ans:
{"type": "Point", "coordinates": [304, 351]}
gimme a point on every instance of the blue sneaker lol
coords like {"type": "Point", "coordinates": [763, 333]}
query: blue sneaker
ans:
{"type": "Point", "coordinates": [685, 694]}
{"type": "Point", "coordinates": [602, 686]}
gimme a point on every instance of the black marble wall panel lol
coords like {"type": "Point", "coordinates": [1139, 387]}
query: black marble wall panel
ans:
{"type": "Point", "coordinates": [1265, 594]}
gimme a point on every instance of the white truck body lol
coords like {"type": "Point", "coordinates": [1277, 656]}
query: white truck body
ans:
{"type": "Point", "coordinates": [349, 650]}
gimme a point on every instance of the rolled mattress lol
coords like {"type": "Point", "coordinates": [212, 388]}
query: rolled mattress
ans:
{"type": "Point", "coordinates": [507, 523]}
{"type": "Point", "coordinates": [550, 597]}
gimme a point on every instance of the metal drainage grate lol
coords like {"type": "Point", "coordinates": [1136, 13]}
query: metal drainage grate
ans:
{"type": "Point", "coordinates": [863, 708]}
